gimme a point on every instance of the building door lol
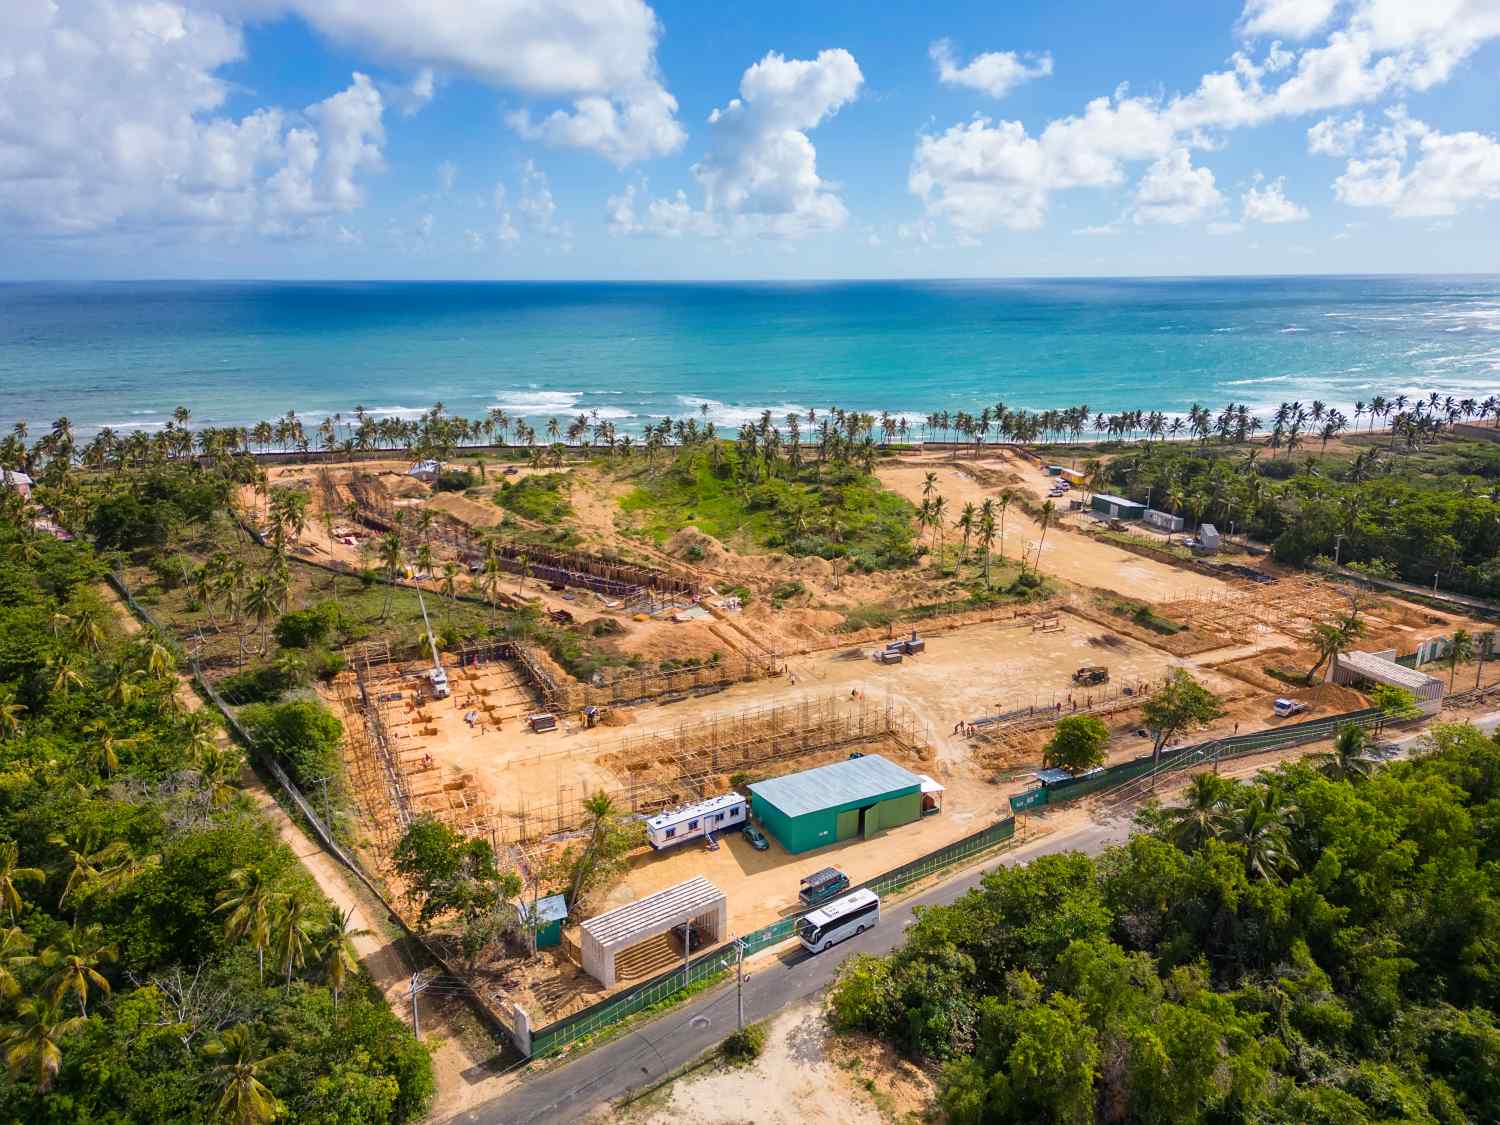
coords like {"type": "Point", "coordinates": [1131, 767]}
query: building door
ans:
{"type": "Point", "coordinates": [869, 820]}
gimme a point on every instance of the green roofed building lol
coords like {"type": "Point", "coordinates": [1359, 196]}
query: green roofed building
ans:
{"type": "Point", "coordinates": [837, 802]}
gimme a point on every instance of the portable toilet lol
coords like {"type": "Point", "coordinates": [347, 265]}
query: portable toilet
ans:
{"type": "Point", "coordinates": [551, 913]}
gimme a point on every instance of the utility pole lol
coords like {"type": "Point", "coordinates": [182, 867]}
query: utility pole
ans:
{"type": "Point", "coordinates": [739, 980]}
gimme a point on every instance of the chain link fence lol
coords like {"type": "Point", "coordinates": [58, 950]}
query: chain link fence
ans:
{"type": "Point", "coordinates": [321, 829]}
{"type": "Point", "coordinates": [570, 1029]}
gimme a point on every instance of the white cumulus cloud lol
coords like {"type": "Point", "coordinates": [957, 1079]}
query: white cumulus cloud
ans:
{"type": "Point", "coordinates": [982, 174]}
{"type": "Point", "coordinates": [1416, 171]}
{"type": "Point", "coordinates": [1174, 191]}
{"type": "Point", "coordinates": [759, 177]}
{"type": "Point", "coordinates": [1294, 19]}
{"type": "Point", "coordinates": [1269, 204]}
{"type": "Point", "coordinates": [112, 119]}
{"type": "Point", "coordinates": [598, 56]}
{"type": "Point", "coordinates": [996, 73]}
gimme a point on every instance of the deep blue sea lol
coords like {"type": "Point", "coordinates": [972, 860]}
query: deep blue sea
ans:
{"type": "Point", "coordinates": [124, 354]}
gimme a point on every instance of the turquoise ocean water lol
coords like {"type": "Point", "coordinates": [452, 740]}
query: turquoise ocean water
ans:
{"type": "Point", "coordinates": [124, 354]}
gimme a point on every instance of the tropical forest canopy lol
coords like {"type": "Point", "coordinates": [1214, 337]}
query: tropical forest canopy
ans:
{"type": "Point", "coordinates": [1320, 945]}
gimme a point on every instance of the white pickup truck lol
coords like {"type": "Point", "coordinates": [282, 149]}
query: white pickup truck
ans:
{"type": "Point", "coordinates": [1285, 708]}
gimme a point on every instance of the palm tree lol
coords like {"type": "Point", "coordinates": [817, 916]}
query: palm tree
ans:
{"type": "Point", "coordinates": [1203, 816]}
{"type": "Point", "coordinates": [32, 1042]}
{"type": "Point", "coordinates": [12, 873]}
{"type": "Point", "coordinates": [1460, 650]}
{"type": "Point", "coordinates": [1484, 649]}
{"type": "Point", "coordinates": [260, 603]}
{"type": "Point", "coordinates": [987, 535]}
{"type": "Point", "coordinates": [10, 714]}
{"type": "Point", "coordinates": [249, 902]}
{"type": "Point", "coordinates": [243, 1098]}
{"type": "Point", "coordinates": [1007, 495]}
{"type": "Point", "coordinates": [89, 862]}
{"type": "Point", "coordinates": [390, 558]}
{"type": "Point", "coordinates": [77, 959]}
{"type": "Point", "coordinates": [600, 807]}
{"type": "Point", "coordinates": [1262, 826]}
{"type": "Point", "coordinates": [15, 951]}
{"type": "Point", "coordinates": [1049, 512]}
{"type": "Point", "coordinates": [290, 939]}
{"type": "Point", "coordinates": [338, 951]}
{"type": "Point", "coordinates": [939, 510]}
{"type": "Point", "coordinates": [1346, 761]}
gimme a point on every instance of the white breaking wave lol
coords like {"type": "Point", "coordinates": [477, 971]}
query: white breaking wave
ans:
{"type": "Point", "coordinates": [536, 402]}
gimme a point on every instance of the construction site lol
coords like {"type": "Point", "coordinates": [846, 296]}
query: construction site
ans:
{"type": "Point", "coordinates": [706, 692]}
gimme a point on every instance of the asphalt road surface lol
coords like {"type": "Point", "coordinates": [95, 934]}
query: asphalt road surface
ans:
{"type": "Point", "coordinates": [660, 1046]}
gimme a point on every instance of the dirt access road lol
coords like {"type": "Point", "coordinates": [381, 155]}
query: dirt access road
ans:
{"type": "Point", "coordinates": [1066, 553]}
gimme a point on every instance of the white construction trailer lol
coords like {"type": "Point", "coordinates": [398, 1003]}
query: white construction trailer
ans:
{"type": "Point", "coordinates": [691, 822]}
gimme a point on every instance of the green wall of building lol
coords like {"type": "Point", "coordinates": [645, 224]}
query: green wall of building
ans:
{"type": "Point", "coordinates": [827, 826]}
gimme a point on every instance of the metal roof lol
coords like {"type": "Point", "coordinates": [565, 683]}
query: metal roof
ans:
{"type": "Point", "coordinates": [928, 785]}
{"type": "Point", "coordinates": [654, 914]}
{"type": "Point", "coordinates": [1052, 776]}
{"type": "Point", "coordinates": [1119, 501]}
{"type": "Point", "coordinates": [828, 912]}
{"type": "Point", "coordinates": [840, 783]}
{"type": "Point", "coordinates": [700, 809]}
{"type": "Point", "coordinates": [1385, 671]}
{"type": "Point", "coordinates": [553, 908]}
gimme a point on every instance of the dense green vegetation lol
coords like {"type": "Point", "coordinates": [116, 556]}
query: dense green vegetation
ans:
{"type": "Point", "coordinates": [1321, 945]}
{"type": "Point", "coordinates": [165, 958]}
{"type": "Point", "coordinates": [542, 497]}
{"type": "Point", "coordinates": [1433, 510]}
{"type": "Point", "coordinates": [834, 511]}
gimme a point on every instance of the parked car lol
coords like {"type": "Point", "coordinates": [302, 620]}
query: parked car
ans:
{"type": "Point", "coordinates": [755, 837]}
{"type": "Point", "coordinates": [1285, 708]}
{"type": "Point", "coordinates": [822, 885]}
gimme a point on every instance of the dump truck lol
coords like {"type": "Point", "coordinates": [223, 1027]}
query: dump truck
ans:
{"type": "Point", "coordinates": [1091, 674]}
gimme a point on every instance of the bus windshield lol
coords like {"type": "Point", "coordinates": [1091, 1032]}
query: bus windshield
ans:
{"type": "Point", "coordinates": [808, 932]}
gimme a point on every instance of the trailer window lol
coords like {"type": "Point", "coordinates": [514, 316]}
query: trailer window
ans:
{"type": "Point", "coordinates": [671, 832]}
{"type": "Point", "coordinates": [692, 824]}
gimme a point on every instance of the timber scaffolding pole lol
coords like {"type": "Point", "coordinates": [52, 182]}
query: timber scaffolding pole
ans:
{"type": "Point", "coordinates": [379, 740]}
{"type": "Point", "coordinates": [689, 762]}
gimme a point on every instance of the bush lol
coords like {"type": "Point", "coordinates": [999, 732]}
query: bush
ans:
{"type": "Point", "coordinates": [305, 628]}
{"type": "Point", "coordinates": [304, 734]}
{"type": "Point", "coordinates": [746, 1044]}
{"type": "Point", "coordinates": [543, 497]}
{"type": "Point", "coordinates": [256, 685]}
{"type": "Point", "coordinates": [454, 480]}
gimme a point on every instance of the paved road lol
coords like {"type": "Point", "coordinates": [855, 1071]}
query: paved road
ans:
{"type": "Point", "coordinates": [658, 1047]}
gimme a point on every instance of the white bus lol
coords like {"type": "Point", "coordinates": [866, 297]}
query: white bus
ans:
{"type": "Point", "coordinates": [828, 925]}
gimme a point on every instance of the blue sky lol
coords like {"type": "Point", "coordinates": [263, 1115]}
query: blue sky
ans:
{"type": "Point", "coordinates": [617, 139]}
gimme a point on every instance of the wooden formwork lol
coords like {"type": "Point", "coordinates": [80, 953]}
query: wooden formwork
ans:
{"type": "Point", "coordinates": [688, 762]}
{"type": "Point", "coordinates": [1291, 606]}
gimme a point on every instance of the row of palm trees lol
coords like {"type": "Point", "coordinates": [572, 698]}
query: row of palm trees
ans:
{"type": "Point", "coordinates": [440, 434]}
{"type": "Point", "coordinates": [982, 524]}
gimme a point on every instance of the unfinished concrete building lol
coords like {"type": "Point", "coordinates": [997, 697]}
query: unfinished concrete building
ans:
{"type": "Point", "coordinates": [636, 939]}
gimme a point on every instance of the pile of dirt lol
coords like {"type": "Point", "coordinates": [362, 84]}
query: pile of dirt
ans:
{"type": "Point", "coordinates": [694, 546]}
{"type": "Point", "coordinates": [617, 717]}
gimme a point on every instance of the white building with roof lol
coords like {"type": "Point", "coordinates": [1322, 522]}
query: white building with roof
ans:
{"type": "Point", "coordinates": [1381, 668]}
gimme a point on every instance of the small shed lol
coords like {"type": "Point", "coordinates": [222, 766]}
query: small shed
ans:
{"type": "Point", "coordinates": [696, 902]}
{"type": "Point", "coordinates": [856, 797]}
{"type": "Point", "coordinates": [551, 913]}
{"type": "Point", "coordinates": [1162, 521]}
{"type": "Point", "coordinates": [932, 795]}
{"type": "Point", "coordinates": [1208, 539]}
{"type": "Point", "coordinates": [1375, 667]}
{"type": "Point", "coordinates": [425, 470]}
{"type": "Point", "coordinates": [1117, 507]}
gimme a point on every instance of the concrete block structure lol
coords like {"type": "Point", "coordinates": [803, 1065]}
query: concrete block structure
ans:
{"type": "Point", "coordinates": [606, 936]}
{"type": "Point", "coordinates": [821, 806]}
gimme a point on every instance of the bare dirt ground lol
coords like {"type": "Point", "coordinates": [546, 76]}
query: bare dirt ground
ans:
{"type": "Point", "coordinates": [1066, 553]}
{"type": "Point", "coordinates": [805, 1073]}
